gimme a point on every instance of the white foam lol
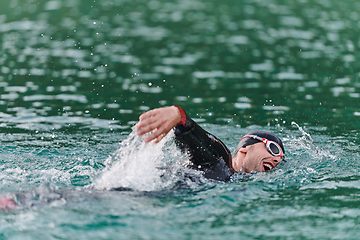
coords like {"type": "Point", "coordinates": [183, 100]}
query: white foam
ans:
{"type": "Point", "coordinates": [139, 165]}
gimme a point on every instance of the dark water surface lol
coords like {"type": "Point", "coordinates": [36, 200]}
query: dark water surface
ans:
{"type": "Point", "coordinates": [75, 75]}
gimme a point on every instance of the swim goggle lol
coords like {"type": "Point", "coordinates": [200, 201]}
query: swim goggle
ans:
{"type": "Point", "coordinates": [272, 147]}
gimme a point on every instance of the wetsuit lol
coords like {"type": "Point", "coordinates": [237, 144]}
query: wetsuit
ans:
{"type": "Point", "coordinates": [207, 152]}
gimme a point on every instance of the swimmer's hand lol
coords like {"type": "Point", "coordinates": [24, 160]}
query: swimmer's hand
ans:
{"type": "Point", "coordinates": [7, 204]}
{"type": "Point", "coordinates": [159, 120]}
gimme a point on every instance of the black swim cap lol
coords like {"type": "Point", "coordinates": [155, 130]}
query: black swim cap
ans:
{"type": "Point", "coordinates": [250, 141]}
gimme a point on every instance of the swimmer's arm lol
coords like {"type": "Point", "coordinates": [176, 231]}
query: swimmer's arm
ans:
{"type": "Point", "coordinates": [160, 121]}
{"type": "Point", "coordinates": [204, 148]}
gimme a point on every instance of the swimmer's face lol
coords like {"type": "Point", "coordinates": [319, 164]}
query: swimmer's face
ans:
{"type": "Point", "coordinates": [255, 157]}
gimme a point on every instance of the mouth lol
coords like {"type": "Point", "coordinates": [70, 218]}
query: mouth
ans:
{"type": "Point", "coordinates": [267, 166]}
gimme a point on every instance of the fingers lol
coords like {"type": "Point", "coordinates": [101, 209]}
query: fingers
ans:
{"type": "Point", "coordinates": [150, 120]}
{"type": "Point", "coordinates": [148, 114]}
{"type": "Point", "coordinates": [158, 134]}
{"type": "Point", "coordinates": [147, 126]}
{"type": "Point", "coordinates": [160, 121]}
{"type": "Point", "coordinates": [159, 138]}
{"type": "Point", "coordinates": [147, 118]}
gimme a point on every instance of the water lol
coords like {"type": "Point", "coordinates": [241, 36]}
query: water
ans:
{"type": "Point", "coordinates": [75, 75]}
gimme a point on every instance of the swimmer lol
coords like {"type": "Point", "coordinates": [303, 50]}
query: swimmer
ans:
{"type": "Point", "coordinates": [257, 151]}
{"type": "Point", "coordinates": [7, 203]}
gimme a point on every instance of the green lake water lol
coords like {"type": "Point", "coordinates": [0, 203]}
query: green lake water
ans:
{"type": "Point", "coordinates": [76, 74]}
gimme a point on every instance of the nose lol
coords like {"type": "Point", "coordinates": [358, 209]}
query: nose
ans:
{"type": "Point", "coordinates": [276, 160]}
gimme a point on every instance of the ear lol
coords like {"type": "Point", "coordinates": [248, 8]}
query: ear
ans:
{"type": "Point", "coordinates": [238, 159]}
{"type": "Point", "coordinates": [244, 150]}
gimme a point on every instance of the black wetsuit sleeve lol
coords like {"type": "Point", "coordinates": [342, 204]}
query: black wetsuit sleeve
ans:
{"type": "Point", "coordinates": [207, 152]}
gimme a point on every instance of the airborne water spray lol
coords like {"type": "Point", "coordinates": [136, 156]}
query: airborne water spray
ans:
{"type": "Point", "coordinates": [142, 166]}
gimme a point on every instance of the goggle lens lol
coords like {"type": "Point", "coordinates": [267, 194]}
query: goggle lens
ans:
{"type": "Point", "coordinates": [274, 149]}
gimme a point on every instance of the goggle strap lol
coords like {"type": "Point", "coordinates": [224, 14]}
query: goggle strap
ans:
{"type": "Point", "coordinates": [265, 141]}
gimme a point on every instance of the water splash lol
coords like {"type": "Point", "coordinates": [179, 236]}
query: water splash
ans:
{"type": "Point", "coordinates": [306, 142]}
{"type": "Point", "coordinates": [306, 136]}
{"type": "Point", "coordinates": [142, 166]}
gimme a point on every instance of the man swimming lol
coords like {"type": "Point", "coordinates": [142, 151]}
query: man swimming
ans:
{"type": "Point", "coordinates": [256, 151]}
